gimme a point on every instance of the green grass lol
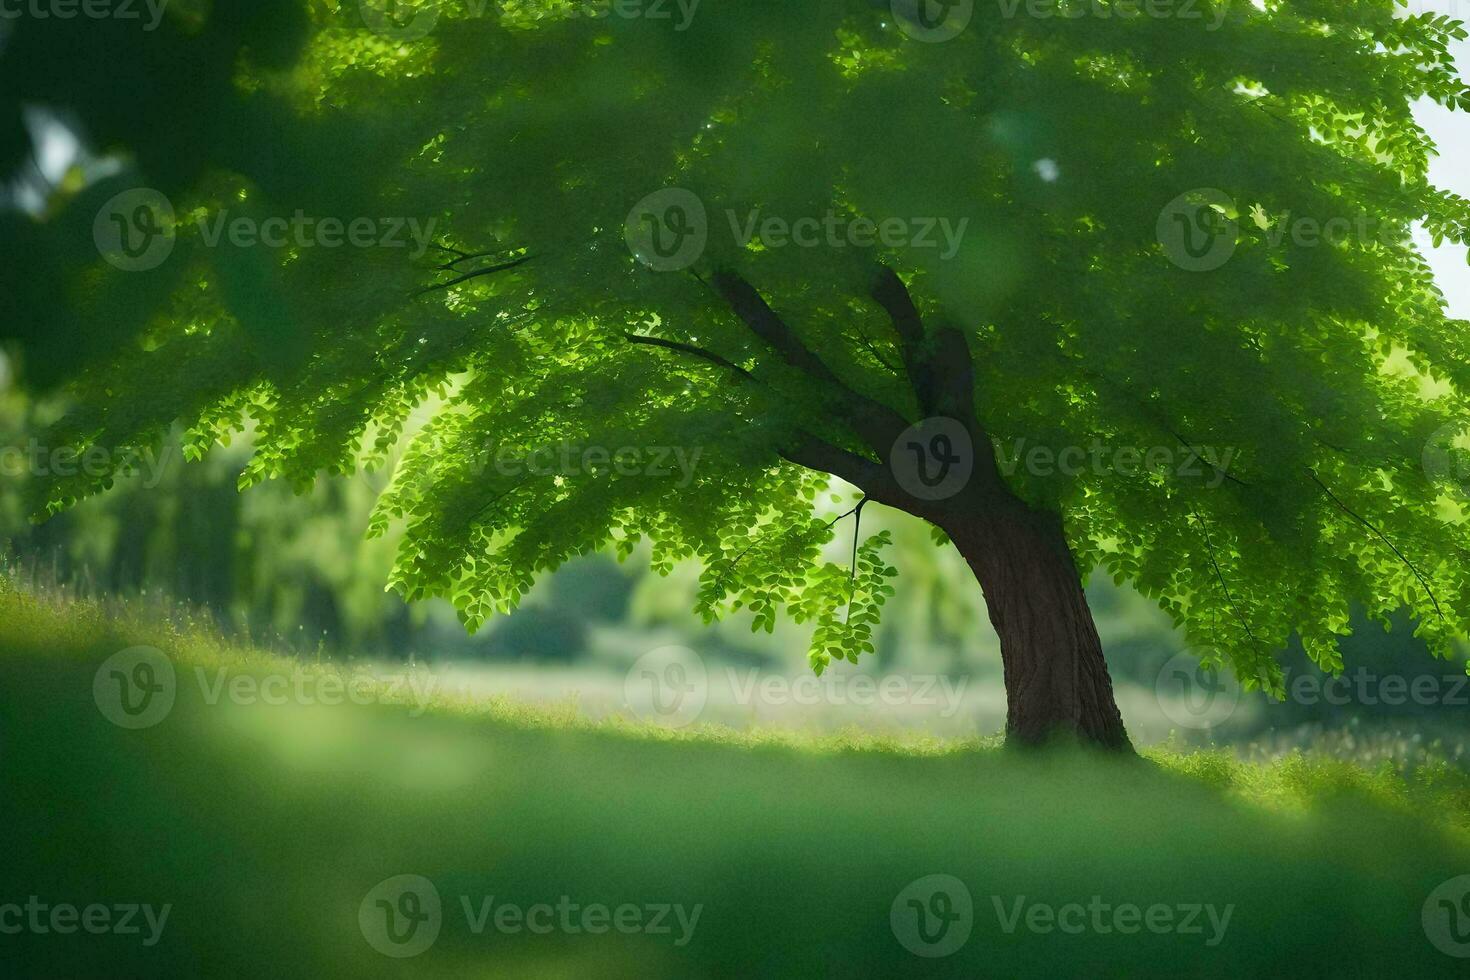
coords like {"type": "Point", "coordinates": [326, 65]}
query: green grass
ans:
{"type": "Point", "coordinates": [266, 826]}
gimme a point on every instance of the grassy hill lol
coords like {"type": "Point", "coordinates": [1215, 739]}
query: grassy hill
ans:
{"type": "Point", "coordinates": [277, 829]}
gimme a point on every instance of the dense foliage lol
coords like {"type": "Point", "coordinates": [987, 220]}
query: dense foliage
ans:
{"type": "Point", "coordinates": [1035, 167]}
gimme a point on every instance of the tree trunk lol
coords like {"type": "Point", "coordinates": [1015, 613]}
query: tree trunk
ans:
{"type": "Point", "coordinates": [1057, 683]}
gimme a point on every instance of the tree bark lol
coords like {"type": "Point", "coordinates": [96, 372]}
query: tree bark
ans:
{"type": "Point", "coordinates": [1057, 683]}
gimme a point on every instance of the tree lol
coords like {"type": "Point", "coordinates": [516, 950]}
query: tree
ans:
{"type": "Point", "coordinates": [1125, 287]}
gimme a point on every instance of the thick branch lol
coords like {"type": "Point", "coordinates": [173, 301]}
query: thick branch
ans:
{"type": "Point", "coordinates": [875, 423]}
{"type": "Point", "coordinates": [874, 479]}
{"type": "Point", "coordinates": [939, 367]}
{"type": "Point", "coordinates": [765, 324]}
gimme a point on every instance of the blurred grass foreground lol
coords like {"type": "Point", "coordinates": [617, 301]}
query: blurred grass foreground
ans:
{"type": "Point", "coordinates": [179, 805]}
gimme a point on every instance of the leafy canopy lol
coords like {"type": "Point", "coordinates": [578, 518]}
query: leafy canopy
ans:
{"type": "Point", "coordinates": [527, 131]}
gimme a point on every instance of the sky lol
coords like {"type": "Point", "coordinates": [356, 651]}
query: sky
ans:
{"type": "Point", "coordinates": [1451, 171]}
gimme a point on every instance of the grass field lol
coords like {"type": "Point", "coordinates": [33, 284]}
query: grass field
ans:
{"type": "Point", "coordinates": [277, 835]}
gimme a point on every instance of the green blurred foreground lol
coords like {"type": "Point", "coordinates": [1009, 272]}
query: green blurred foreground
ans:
{"type": "Point", "coordinates": [274, 836]}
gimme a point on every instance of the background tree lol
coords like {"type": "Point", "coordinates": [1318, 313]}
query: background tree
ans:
{"type": "Point", "coordinates": [1128, 269]}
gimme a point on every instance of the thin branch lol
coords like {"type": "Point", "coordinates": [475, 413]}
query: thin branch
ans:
{"type": "Point", "coordinates": [857, 523]}
{"type": "Point", "coordinates": [1210, 550]}
{"type": "Point", "coordinates": [690, 349]}
{"type": "Point", "coordinates": [501, 267]}
{"type": "Point", "coordinates": [1382, 537]}
{"type": "Point", "coordinates": [462, 257]}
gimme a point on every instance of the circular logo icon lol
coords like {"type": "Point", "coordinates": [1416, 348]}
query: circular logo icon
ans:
{"type": "Point", "coordinates": [400, 20]}
{"type": "Point", "coordinates": [933, 459]}
{"type": "Point", "coordinates": [933, 21]}
{"type": "Point", "coordinates": [668, 230]}
{"type": "Point", "coordinates": [401, 916]}
{"type": "Point", "coordinates": [135, 688]}
{"type": "Point", "coordinates": [1446, 917]}
{"type": "Point", "coordinates": [1193, 695]}
{"type": "Point", "coordinates": [1196, 231]}
{"type": "Point", "coordinates": [1445, 463]}
{"type": "Point", "coordinates": [669, 686]}
{"type": "Point", "coordinates": [933, 916]}
{"type": "Point", "coordinates": [134, 231]}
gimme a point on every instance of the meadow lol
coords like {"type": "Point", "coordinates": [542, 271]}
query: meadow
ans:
{"type": "Point", "coordinates": [276, 806]}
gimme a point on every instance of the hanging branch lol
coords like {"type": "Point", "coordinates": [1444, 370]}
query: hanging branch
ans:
{"type": "Point", "coordinates": [1382, 537]}
{"type": "Point", "coordinates": [1210, 550]}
